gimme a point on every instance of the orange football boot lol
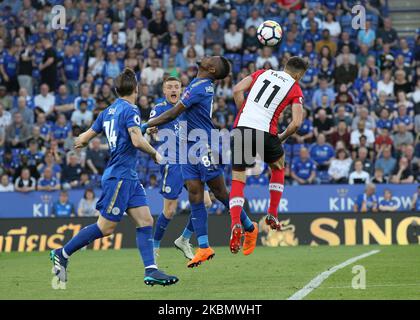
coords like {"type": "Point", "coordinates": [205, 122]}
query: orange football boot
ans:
{"type": "Point", "coordinates": [201, 255]}
{"type": "Point", "coordinates": [250, 241]}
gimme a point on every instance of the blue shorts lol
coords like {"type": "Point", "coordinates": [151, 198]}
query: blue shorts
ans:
{"type": "Point", "coordinates": [204, 169]}
{"type": "Point", "coordinates": [172, 181]}
{"type": "Point", "coordinates": [118, 195]}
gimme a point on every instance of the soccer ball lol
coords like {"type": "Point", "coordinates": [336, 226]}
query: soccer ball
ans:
{"type": "Point", "coordinates": [269, 33]}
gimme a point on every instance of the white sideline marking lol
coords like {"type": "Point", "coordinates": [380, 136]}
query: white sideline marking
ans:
{"type": "Point", "coordinates": [316, 282]}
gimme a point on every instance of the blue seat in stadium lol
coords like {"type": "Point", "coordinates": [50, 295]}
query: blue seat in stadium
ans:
{"type": "Point", "coordinates": [287, 150]}
{"type": "Point", "coordinates": [236, 60]}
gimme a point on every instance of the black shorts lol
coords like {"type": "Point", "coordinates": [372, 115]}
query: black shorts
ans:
{"type": "Point", "coordinates": [246, 143]}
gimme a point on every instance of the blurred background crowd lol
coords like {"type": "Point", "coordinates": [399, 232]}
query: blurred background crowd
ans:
{"type": "Point", "coordinates": [362, 91]}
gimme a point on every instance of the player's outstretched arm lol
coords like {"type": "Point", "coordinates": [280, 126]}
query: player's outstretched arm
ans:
{"type": "Point", "coordinates": [141, 143]}
{"type": "Point", "coordinates": [239, 91]}
{"type": "Point", "coordinates": [166, 117]}
{"type": "Point", "coordinates": [294, 125]}
{"type": "Point", "coordinates": [83, 139]}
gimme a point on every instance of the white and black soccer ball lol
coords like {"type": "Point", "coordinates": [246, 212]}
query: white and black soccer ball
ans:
{"type": "Point", "coordinates": [269, 33]}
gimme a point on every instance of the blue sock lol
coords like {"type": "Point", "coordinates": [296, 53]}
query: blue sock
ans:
{"type": "Point", "coordinates": [189, 229]}
{"type": "Point", "coordinates": [246, 222]}
{"type": "Point", "coordinates": [199, 221]}
{"type": "Point", "coordinates": [144, 240]}
{"type": "Point", "coordinates": [83, 238]}
{"type": "Point", "coordinates": [161, 225]}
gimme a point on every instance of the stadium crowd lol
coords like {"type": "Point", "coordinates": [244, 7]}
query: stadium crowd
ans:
{"type": "Point", "coordinates": [362, 91]}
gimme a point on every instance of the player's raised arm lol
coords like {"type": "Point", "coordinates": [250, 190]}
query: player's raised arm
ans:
{"type": "Point", "coordinates": [141, 143]}
{"type": "Point", "coordinates": [165, 117]}
{"type": "Point", "coordinates": [239, 90]}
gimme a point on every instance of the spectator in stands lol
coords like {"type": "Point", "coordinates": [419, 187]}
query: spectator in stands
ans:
{"type": "Point", "coordinates": [48, 67]}
{"type": "Point", "coordinates": [323, 124]}
{"type": "Point", "coordinates": [233, 40]}
{"type": "Point", "coordinates": [82, 116]}
{"type": "Point", "coordinates": [5, 184]}
{"type": "Point", "coordinates": [96, 158]}
{"type": "Point", "coordinates": [366, 35]}
{"type": "Point", "coordinates": [18, 133]}
{"type": "Point", "coordinates": [71, 172]}
{"type": "Point", "coordinates": [363, 155]}
{"type": "Point", "coordinates": [25, 183]}
{"type": "Point", "coordinates": [363, 115]}
{"type": "Point", "coordinates": [267, 56]}
{"type": "Point", "coordinates": [331, 25]}
{"type": "Point", "coordinates": [87, 205]}
{"type": "Point", "coordinates": [303, 168]}
{"type": "Point", "coordinates": [378, 176]}
{"type": "Point", "coordinates": [48, 182]}
{"type": "Point", "coordinates": [385, 161]}
{"type": "Point", "coordinates": [340, 167]}
{"type": "Point", "coordinates": [322, 153]}
{"type": "Point", "coordinates": [359, 176]}
{"type": "Point", "coordinates": [323, 90]}
{"type": "Point", "coordinates": [45, 100]}
{"type": "Point", "coordinates": [402, 137]}
{"type": "Point", "coordinates": [387, 34]}
{"type": "Point", "coordinates": [27, 114]}
{"type": "Point", "coordinates": [402, 172]}
{"type": "Point", "coordinates": [388, 204]}
{"type": "Point", "coordinates": [361, 130]}
{"type": "Point", "coordinates": [367, 201]}
{"type": "Point", "coordinates": [63, 208]}
{"type": "Point", "coordinates": [152, 75]}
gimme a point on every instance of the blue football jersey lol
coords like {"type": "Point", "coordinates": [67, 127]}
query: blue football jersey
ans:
{"type": "Point", "coordinates": [114, 121]}
{"type": "Point", "coordinates": [198, 99]}
{"type": "Point", "coordinates": [167, 133]}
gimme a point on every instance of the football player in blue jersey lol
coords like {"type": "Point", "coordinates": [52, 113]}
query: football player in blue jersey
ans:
{"type": "Point", "coordinates": [121, 190]}
{"type": "Point", "coordinates": [172, 182]}
{"type": "Point", "coordinates": [196, 104]}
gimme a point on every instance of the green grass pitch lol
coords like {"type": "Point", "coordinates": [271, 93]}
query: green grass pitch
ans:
{"type": "Point", "coordinates": [269, 273]}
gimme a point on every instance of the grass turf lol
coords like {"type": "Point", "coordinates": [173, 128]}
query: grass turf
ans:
{"type": "Point", "coordinates": [269, 273]}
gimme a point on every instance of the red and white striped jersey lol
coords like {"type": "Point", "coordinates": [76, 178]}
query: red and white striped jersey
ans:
{"type": "Point", "coordinates": [269, 94]}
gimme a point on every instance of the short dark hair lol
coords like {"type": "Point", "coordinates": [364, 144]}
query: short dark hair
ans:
{"type": "Point", "coordinates": [224, 68]}
{"type": "Point", "coordinates": [171, 78]}
{"type": "Point", "coordinates": [125, 82]}
{"type": "Point", "coordinates": [297, 64]}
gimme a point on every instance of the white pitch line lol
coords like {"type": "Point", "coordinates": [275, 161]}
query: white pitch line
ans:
{"type": "Point", "coordinates": [316, 282]}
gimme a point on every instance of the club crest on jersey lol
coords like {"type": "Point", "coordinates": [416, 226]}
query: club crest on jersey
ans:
{"type": "Point", "coordinates": [209, 89]}
{"type": "Point", "coordinates": [115, 211]}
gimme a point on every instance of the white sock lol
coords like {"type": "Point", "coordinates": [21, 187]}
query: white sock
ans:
{"type": "Point", "coordinates": [153, 266]}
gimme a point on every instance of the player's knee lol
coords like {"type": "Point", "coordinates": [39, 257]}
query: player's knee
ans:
{"type": "Point", "coordinates": [146, 221]}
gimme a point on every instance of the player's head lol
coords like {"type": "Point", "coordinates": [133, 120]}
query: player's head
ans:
{"type": "Point", "coordinates": [214, 67]}
{"type": "Point", "coordinates": [172, 89]}
{"type": "Point", "coordinates": [296, 67]}
{"type": "Point", "coordinates": [126, 84]}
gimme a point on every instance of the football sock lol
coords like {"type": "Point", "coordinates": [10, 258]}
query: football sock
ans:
{"type": "Point", "coordinates": [245, 220]}
{"type": "Point", "coordinates": [199, 221]}
{"type": "Point", "coordinates": [236, 201]}
{"type": "Point", "coordinates": [144, 240]}
{"type": "Point", "coordinates": [161, 224]}
{"type": "Point", "coordinates": [83, 238]}
{"type": "Point", "coordinates": [276, 188]}
{"type": "Point", "coordinates": [189, 230]}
